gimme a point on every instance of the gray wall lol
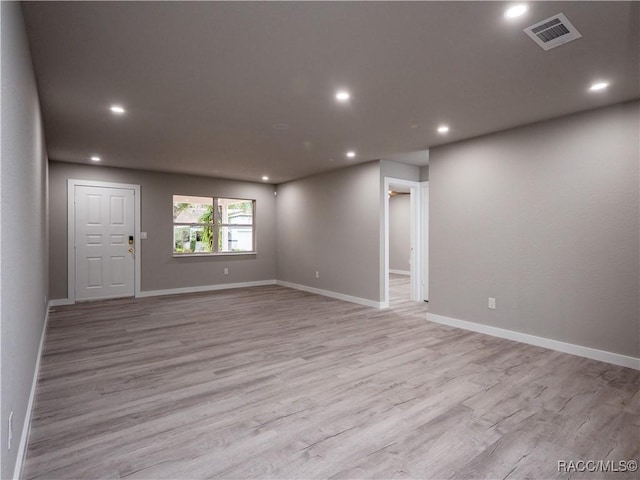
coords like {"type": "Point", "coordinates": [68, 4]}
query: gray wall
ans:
{"type": "Point", "coordinates": [159, 269]}
{"type": "Point", "coordinates": [398, 170]}
{"type": "Point", "coordinates": [23, 197]}
{"type": "Point", "coordinates": [330, 223]}
{"type": "Point", "coordinates": [424, 173]}
{"type": "Point", "coordinates": [399, 233]}
{"type": "Point", "coordinates": [544, 218]}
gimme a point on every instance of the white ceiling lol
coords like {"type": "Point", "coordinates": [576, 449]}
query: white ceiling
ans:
{"type": "Point", "coordinates": [204, 83]}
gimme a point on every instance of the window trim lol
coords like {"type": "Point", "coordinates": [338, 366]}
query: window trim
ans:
{"type": "Point", "coordinates": [217, 222]}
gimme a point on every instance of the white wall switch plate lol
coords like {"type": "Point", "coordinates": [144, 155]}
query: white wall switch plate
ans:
{"type": "Point", "coordinates": [492, 303]}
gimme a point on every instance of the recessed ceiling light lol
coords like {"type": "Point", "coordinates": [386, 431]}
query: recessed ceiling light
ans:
{"type": "Point", "coordinates": [443, 129]}
{"type": "Point", "coordinates": [265, 178]}
{"type": "Point", "coordinates": [95, 158]}
{"type": "Point", "coordinates": [516, 11]}
{"type": "Point", "coordinates": [351, 154]}
{"type": "Point", "coordinates": [117, 109]}
{"type": "Point", "coordinates": [596, 87]}
{"type": "Point", "coordinates": [343, 96]}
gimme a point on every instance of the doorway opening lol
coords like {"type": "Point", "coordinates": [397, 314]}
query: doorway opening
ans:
{"type": "Point", "coordinates": [403, 252]}
{"type": "Point", "coordinates": [399, 245]}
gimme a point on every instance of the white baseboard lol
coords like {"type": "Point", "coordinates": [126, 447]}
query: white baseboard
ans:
{"type": "Point", "coordinates": [204, 288]}
{"type": "Point", "coordinates": [579, 350]}
{"type": "Point", "coordinates": [60, 301]}
{"type": "Point", "coordinates": [400, 272]}
{"type": "Point", "coordinates": [26, 427]}
{"type": "Point", "coordinates": [328, 293]}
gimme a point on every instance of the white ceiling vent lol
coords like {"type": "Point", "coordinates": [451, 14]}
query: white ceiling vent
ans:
{"type": "Point", "coordinates": [553, 32]}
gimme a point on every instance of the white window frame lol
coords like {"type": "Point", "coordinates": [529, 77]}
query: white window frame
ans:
{"type": "Point", "coordinates": [217, 222]}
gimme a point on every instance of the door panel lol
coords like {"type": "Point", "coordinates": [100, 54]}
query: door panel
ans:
{"type": "Point", "coordinates": [104, 220]}
{"type": "Point", "coordinates": [94, 272]}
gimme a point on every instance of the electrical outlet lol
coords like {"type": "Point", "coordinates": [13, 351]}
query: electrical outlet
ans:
{"type": "Point", "coordinates": [226, 271]}
{"type": "Point", "coordinates": [10, 435]}
{"type": "Point", "coordinates": [492, 303]}
{"type": "Point", "coordinates": [317, 274]}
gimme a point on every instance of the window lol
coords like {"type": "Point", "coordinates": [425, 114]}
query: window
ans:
{"type": "Point", "coordinates": [212, 225]}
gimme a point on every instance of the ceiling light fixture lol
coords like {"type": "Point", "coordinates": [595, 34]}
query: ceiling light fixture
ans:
{"type": "Point", "coordinates": [265, 178]}
{"type": "Point", "coordinates": [443, 129]}
{"type": "Point", "coordinates": [343, 96]}
{"type": "Point", "coordinates": [95, 158]}
{"type": "Point", "coordinates": [351, 154]}
{"type": "Point", "coordinates": [596, 87]}
{"type": "Point", "coordinates": [117, 109]}
{"type": "Point", "coordinates": [516, 11]}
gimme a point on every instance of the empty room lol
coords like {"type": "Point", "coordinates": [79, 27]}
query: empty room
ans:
{"type": "Point", "coordinates": [313, 240]}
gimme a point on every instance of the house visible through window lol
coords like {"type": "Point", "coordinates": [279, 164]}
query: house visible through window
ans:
{"type": "Point", "coordinates": [212, 225]}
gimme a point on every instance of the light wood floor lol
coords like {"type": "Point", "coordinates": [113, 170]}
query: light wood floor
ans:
{"type": "Point", "coordinates": [270, 382]}
{"type": "Point", "coordinates": [399, 290]}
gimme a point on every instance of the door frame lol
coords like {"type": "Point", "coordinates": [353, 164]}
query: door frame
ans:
{"type": "Point", "coordinates": [71, 231]}
{"type": "Point", "coordinates": [424, 240]}
{"type": "Point", "coordinates": [415, 241]}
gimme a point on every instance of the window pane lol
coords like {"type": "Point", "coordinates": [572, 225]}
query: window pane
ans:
{"type": "Point", "coordinates": [235, 211]}
{"type": "Point", "coordinates": [181, 237]}
{"type": "Point", "coordinates": [188, 209]}
{"type": "Point", "coordinates": [192, 239]}
{"type": "Point", "coordinates": [235, 239]}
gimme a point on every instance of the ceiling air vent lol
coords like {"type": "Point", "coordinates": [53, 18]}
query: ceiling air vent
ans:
{"type": "Point", "coordinates": [553, 32]}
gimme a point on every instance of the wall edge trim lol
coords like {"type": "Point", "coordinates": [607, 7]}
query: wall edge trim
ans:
{"type": "Point", "coordinates": [60, 301]}
{"type": "Point", "coordinates": [26, 427]}
{"type": "Point", "coordinates": [399, 272]}
{"type": "Point", "coordinates": [203, 288]}
{"type": "Point", "coordinates": [564, 347]}
{"type": "Point", "coordinates": [327, 293]}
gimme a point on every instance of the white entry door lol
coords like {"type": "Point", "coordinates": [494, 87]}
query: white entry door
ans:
{"type": "Point", "coordinates": [104, 242]}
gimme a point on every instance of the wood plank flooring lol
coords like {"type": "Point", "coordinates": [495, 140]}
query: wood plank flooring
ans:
{"type": "Point", "coordinates": [269, 382]}
{"type": "Point", "coordinates": [400, 291]}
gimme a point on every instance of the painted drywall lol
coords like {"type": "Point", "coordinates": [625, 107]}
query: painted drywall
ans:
{"type": "Point", "coordinates": [399, 231]}
{"type": "Point", "coordinates": [424, 173]}
{"type": "Point", "coordinates": [544, 218]}
{"type": "Point", "coordinates": [398, 170]}
{"type": "Point", "coordinates": [329, 223]}
{"type": "Point", "coordinates": [23, 196]}
{"type": "Point", "coordinates": [160, 270]}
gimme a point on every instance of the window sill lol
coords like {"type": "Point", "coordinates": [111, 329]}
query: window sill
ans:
{"type": "Point", "coordinates": [225, 254]}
